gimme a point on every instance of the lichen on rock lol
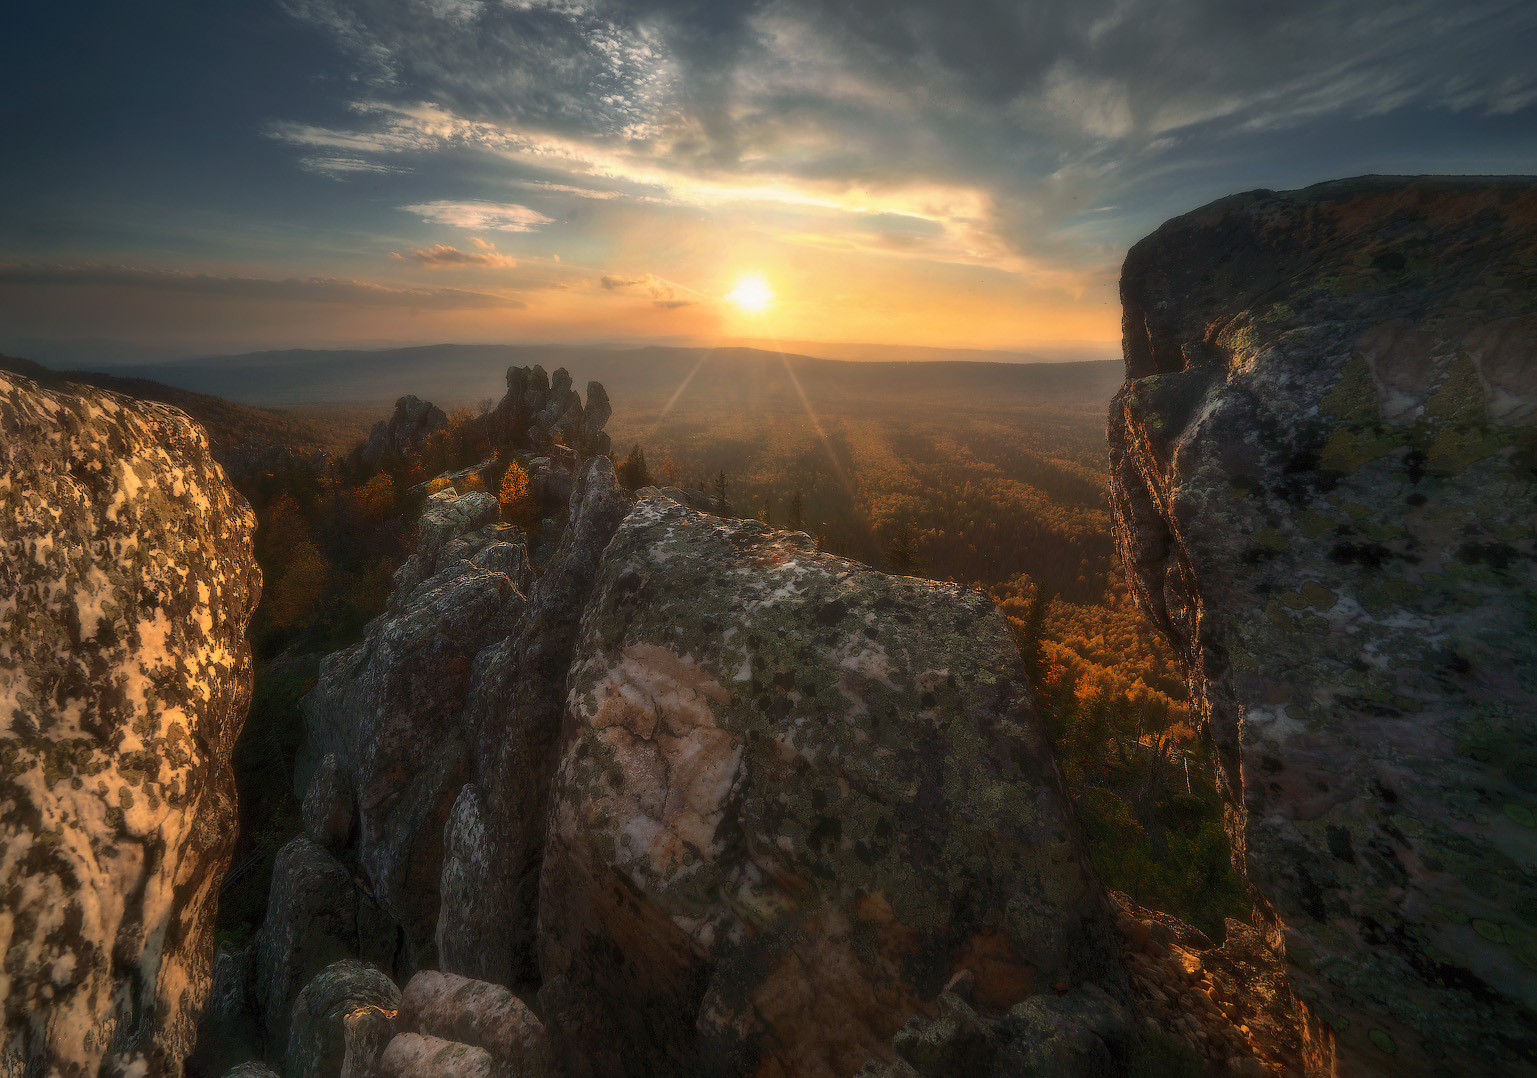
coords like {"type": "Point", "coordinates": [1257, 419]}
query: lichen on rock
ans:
{"type": "Point", "coordinates": [126, 583]}
{"type": "Point", "coordinates": [795, 796]}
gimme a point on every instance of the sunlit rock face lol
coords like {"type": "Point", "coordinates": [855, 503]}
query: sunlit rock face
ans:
{"type": "Point", "coordinates": [126, 583]}
{"type": "Point", "coordinates": [1323, 482]}
{"type": "Point", "coordinates": [794, 798]}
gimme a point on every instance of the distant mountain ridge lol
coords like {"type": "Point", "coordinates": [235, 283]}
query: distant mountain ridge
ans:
{"type": "Point", "coordinates": [453, 374]}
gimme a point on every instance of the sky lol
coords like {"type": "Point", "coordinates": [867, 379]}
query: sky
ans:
{"type": "Point", "coordinates": [190, 177]}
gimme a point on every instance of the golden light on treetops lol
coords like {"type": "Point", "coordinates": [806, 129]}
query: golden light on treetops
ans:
{"type": "Point", "coordinates": [752, 294]}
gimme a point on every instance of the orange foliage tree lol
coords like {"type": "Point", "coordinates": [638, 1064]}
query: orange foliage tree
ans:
{"type": "Point", "coordinates": [518, 506]}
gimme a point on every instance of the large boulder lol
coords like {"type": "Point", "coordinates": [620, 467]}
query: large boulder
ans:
{"type": "Point", "coordinates": [480, 1015]}
{"type": "Point", "coordinates": [1323, 478]}
{"type": "Point", "coordinates": [329, 1012]}
{"type": "Point", "coordinates": [388, 712]}
{"type": "Point", "coordinates": [795, 797]}
{"type": "Point", "coordinates": [414, 1055]}
{"type": "Point", "coordinates": [126, 582]}
{"type": "Point", "coordinates": [495, 838]}
{"type": "Point", "coordinates": [312, 921]}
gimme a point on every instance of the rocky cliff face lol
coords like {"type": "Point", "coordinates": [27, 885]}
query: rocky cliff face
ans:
{"type": "Point", "coordinates": [495, 837]}
{"type": "Point", "coordinates": [1323, 479]}
{"type": "Point", "coordinates": [125, 586]}
{"type": "Point", "coordinates": [388, 712]}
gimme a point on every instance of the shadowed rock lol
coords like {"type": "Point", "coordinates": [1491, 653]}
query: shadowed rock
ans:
{"type": "Point", "coordinates": [344, 994]}
{"type": "Point", "coordinates": [229, 1030]}
{"type": "Point", "coordinates": [389, 711]}
{"type": "Point", "coordinates": [485, 1016]}
{"type": "Point", "coordinates": [406, 429]}
{"type": "Point", "coordinates": [795, 797]}
{"type": "Point", "coordinates": [496, 834]}
{"type": "Point", "coordinates": [540, 408]}
{"type": "Point", "coordinates": [1322, 476]}
{"type": "Point", "coordinates": [126, 581]}
{"type": "Point", "coordinates": [413, 1055]}
{"type": "Point", "coordinates": [251, 1069]}
{"type": "Point", "coordinates": [312, 921]}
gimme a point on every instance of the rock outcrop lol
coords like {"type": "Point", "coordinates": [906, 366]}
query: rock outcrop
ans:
{"type": "Point", "coordinates": [1323, 478]}
{"type": "Point", "coordinates": [488, 1017]}
{"type": "Point", "coordinates": [406, 429]}
{"type": "Point", "coordinates": [795, 798]}
{"type": "Point", "coordinates": [388, 712]}
{"type": "Point", "coordinates": [126, 583]}
{"type": "Point", "coordinates": [229, 1027]}
{"type": "Point", "coordinates": [312, 921]}
{"type": "Point", "coordinates": [539, 408]}
{"type": "Point", "coordinates": [1231, 1004]}
{"type": "Point", "coordinates": [496, 835]}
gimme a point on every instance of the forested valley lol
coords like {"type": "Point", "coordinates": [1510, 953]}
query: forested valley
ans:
{"type": "Point", "coordinates": [979, 477]}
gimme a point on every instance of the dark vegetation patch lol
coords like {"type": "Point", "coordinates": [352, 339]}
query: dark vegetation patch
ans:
{"type": "Point", "coordinates": [1114, 706]}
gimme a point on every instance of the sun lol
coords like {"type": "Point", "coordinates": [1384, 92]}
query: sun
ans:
{"type": "Point", "coordinates": [752, 294]}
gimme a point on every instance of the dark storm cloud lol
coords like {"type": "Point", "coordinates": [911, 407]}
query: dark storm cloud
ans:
{"type": "Point", "coordinates": [311, 289]}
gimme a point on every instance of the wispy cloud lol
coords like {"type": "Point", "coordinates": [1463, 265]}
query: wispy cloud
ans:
{"type": "Point", "coordinates": [473, 214]}
{"type": "Point", "coordinates": [663, 293]}
{"type": "Point", "coordinates": [306, 289]}
{"type": "Point", "coordinates": [443, 254]}
{"type": "Point", "coordinates": [567, 189]}
{"type": "Point", "coordinates": [998, 120]}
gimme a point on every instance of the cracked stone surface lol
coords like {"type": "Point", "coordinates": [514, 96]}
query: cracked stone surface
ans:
{"type": "Point", "coordinates": [1323, 483]}
{"type": "Point", "coordinates": [126, 583]}
{"type": "Point", "coordinates": [389, 712]}
{"type": "Point", "coordinates": [495, 837]}
{"type": "Point", "coordinates": [795, 796]}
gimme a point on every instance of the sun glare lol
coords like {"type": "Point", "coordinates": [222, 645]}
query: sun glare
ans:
{"type": "Point", "coordinates": [752, 294]}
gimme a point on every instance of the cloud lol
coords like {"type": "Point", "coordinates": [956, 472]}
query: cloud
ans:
{"type": "Point", "coordinates": [307, 289]}
{"type": "Point", "coordinates": [663, 293]}
{"type": "Point", "coordinates": [340, 167]}
{"type": "Point", "coordinates": [442, 254]}
{"type": "Point", "coordinates": [1000, 122]}
{"type": "Point", "coordinates": [567, 189]}
{"type": "Point", "coordinates": [473, 214]}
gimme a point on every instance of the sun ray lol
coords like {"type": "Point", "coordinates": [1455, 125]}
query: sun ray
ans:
{"type": "Point", "coordinates": [827, 445]}
{"type": "Point", "coordinates": [684, 384]}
